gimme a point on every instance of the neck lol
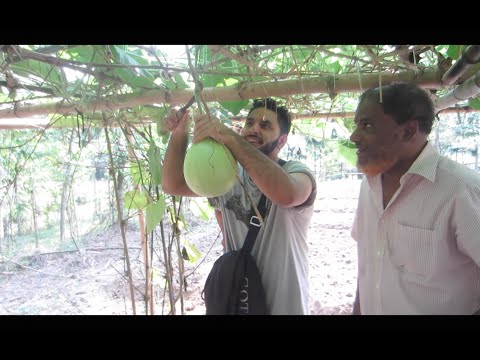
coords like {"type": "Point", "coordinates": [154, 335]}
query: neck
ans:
{"type": "Point", "coordinates": [274, 157]}
{"type": "Point", "coordinates": [402, 166]}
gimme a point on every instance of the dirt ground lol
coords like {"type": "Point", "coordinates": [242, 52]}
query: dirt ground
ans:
{"type": "Point", "coordinates": [92, 282]}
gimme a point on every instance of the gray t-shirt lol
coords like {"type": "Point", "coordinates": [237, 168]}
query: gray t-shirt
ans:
{"type": "Point", "coordinates": [280, 250]}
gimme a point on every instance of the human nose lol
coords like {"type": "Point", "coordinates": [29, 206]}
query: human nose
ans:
{"type": "Point", "coordinates": [355, 137]}
{"type": "Point", "coordinates": [254, 128]}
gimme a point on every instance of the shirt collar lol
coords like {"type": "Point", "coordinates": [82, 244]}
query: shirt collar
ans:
{"type": "Point", "coordinates": [424, 165]}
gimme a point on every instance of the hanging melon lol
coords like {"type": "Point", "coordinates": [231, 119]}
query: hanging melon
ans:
{"type": "Point", "coordinates": [209, 168]}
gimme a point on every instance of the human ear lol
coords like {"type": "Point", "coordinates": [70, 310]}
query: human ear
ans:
{"type": "Point", "coordinates": [282, 140]}
{"type": "Point", "coordinates": [410, 130]}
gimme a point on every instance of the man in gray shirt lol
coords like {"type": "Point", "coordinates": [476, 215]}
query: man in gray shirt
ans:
{"type": "Point", "coordinates": [280, 250]}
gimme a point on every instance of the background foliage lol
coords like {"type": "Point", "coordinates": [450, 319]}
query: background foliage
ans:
{"type": "Point", "coordinates": [93, 169]}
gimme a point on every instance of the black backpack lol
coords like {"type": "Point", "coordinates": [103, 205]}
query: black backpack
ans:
{"type": "Point", "coordinates": [234, 285]}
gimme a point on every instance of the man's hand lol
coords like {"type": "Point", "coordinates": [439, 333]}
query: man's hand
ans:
{"type": "Point", "coordinates": [175, 119]}
{"type": "Point", "coordinates": [209, 126]}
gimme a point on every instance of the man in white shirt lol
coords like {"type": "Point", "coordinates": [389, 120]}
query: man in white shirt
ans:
{"type": "Point", "coordinates": [417, 224]}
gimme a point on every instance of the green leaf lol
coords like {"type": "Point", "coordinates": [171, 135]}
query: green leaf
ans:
{"type": "Point", "coordinates": [314, 130]}
{"type": "Point", "coordinates": [136, 173]}
{"type": "Point", "coordinates": [334, 67]}
{"type": "Point", "coordinates": [40, 69]}
{"type": "Point", "coordinates": [154, 163]}
{"type": "Point", "coordinates": [135, 200]}
{"type": "Point", "coordinates": [155, 113]}
{"type": "Point", "coordinates": [348, 123]}
{"type": "Point", "coordinates": [3, 98]}
{"type": "Point", "coordinates": [474, 103]}
{"type": "Point", "coordinates": [155, 214]}
{"type": "Point", "coordinates": [212, 80]}
{"type": "Point", "coordinates": [132, 78]}
{"type": "Point", "coordinates": [454, 51]}
{"type": "Point", "coordinates": [181, 222]}
{"type": "Point", "coordinates": [230, 81]}
{"type": "Point", "coordinates": [165, 138]}
{"type": "Point", "coordinates": [177, 84]}
{"type": "Point", "coordinates": [193, 254]}
{"type": "Point", "coordinates": [99, 55]}
{"type": "Point", "coordinates": [180, 82]}
{"type": "Point", "coordinates": [82, 53]}
{"type": "Point", "coordinates": [348, 151]}
{"type": "Point", "coordinates": [69, 122]}
{"type": "Point", "coordinates": [129, 58]}
{"type": "Point", "coordinates": [234, 106]}
{"type": "Point", "coordinates": [201, 208]}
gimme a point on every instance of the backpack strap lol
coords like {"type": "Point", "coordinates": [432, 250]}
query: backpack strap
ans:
{"type": "Point", "coordinates": [255, 224]}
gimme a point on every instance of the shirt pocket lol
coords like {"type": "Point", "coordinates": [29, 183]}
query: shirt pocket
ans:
{"type": "Point", "coordinates": [413, 249]}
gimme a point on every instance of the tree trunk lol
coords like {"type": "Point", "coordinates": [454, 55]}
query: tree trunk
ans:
{"type": "Point", "coordinates": [143, 235]}
{"type": "Point", "coordinates": [72, 216]}
{"type": "Point", "coordinates": [34, 213]}
{"type": "Point", "coordinates": [65, 186]}
{"type": "Point", "coordinates": [121, 223]}
{"type": "Point", "coordinates": [1, 227]}
{"type": "Point", "coordinates": [437, 137]}
{"type": "Point", "coordinates": [97, 211]}
{"type": "Point", "coordinates": [476, 157]}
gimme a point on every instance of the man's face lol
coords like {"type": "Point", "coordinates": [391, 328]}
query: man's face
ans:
{"type": "Point", "coordinates": [262, 130]}
{"type": "Point", "coordinates": [377, 137]}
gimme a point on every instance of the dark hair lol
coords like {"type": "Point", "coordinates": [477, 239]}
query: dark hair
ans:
{"type": "Point", "coordinates": [404, 102]}
{"type": "Point", "coordinates": [283, 116]}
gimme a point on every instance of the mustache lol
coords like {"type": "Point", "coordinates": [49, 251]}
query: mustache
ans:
{"type": "Point", "coordinates": [254, 137]}
{"type": "Point", "coordinates": [360, 146]}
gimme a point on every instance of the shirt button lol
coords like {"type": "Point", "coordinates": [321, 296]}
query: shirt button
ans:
{"type": "Point", "coordinates": [377, 286]}
{"type": "Point", "coordinates": [378, 253]}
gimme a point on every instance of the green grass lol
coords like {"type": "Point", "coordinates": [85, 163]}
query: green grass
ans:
{"type": "Point", "coordinates": [48, 240]}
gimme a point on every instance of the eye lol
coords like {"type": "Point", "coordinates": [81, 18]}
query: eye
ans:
{"type": "Point", "coordinates": [365, 124]}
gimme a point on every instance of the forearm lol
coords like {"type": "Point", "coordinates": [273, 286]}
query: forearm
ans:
{"type": "Point", "coordinates": [356, 304]}
{"type": "Point", "coordinates": [173, 180]}
{"type": "Point", "coordinates": [270, 178]}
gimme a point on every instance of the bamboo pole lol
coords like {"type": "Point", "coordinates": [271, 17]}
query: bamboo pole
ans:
{"type": "Point", "coordinates": [143, 237]}
{"type": "Point", "coordinates": [466, 90]}
{"type": "Point", "coordinates": [13, 125]}
{"type": "Point", "coordinates": [335, 83]}
{"type": "Point", "coordinates": [470, 56]}
{"type": "Point", "coordinates": [121, 222]}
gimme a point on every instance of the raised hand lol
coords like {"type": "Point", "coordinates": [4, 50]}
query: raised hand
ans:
{"type": "Point", "coordinates": [209, 126]}
{"type": "Point", "coordinates": [174, 118]}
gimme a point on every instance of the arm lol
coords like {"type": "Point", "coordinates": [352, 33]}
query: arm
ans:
{"type": "Point", "coordinates": [219, 216]}
{"type": "Point", "coordinates": [466, 220]}
{"type": "Point", "coordinates": [356, 304]}
{"type": "Point", "coordinates": [173, 181]}
{"type": "Point", "coordinates": [285, 190]}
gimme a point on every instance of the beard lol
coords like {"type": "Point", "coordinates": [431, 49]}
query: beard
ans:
{"type": "Point", "coordinates": [383, 162]}
{"type": "Point", "coordinates": [269, 147]}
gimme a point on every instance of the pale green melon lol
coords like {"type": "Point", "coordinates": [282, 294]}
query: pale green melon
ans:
{"type": "Point", "coordinates": [209, 168]}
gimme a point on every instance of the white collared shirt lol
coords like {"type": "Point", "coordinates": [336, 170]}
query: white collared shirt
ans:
{"type": "Point", "coordinates": [421, 254]}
